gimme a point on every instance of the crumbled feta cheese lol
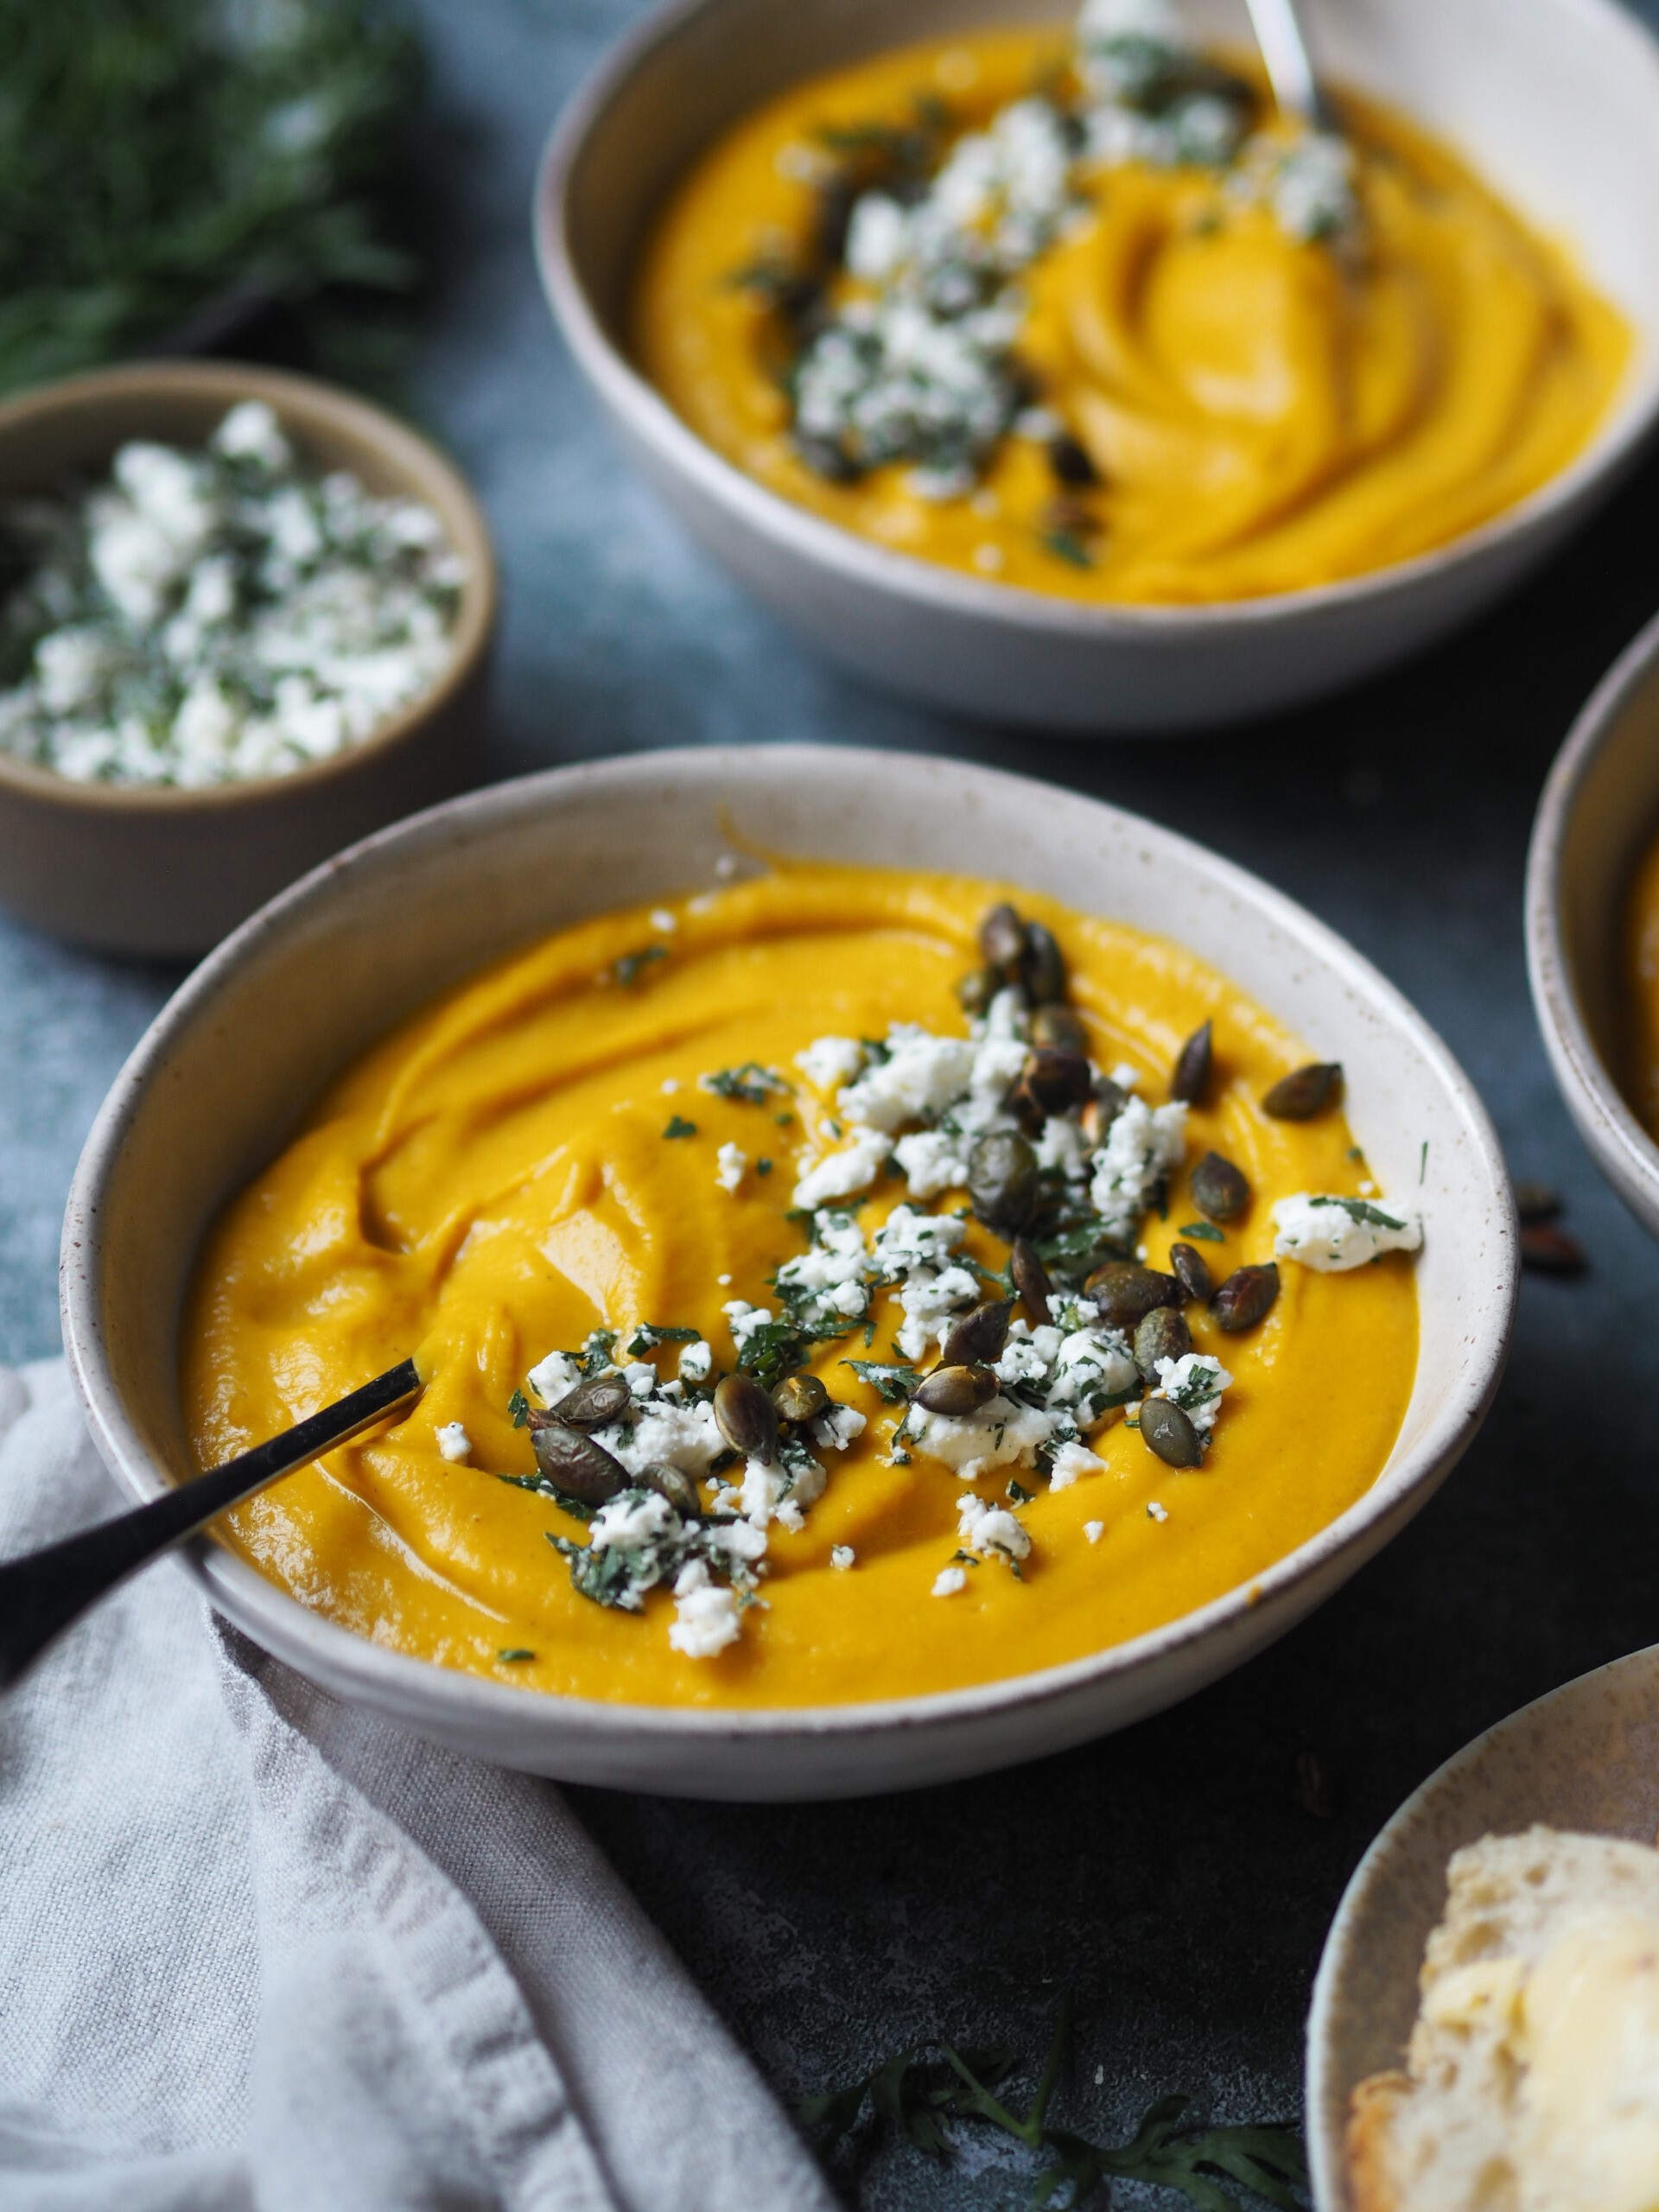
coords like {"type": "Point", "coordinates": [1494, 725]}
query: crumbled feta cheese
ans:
{"type": "Point", "coordinates": [999, 1434]}
{"type": "Point", "coordinates": [844, 1174]}
{"type": "Point", "coordinates": [930, 1304]}
{"type": "Point", "coordinates": [634, 1520]}
{"type": "Point", "coordinates": [744, 1319]}
{"type": "Point", "coordinates": [991, 1530]}
{"type": "Point", "coordinates": [1331, 1235]}
{"type": "Point", "coordinates": [662, 921]}
{"type": "Point", "coordinates": [920, 1076]}
{"type": "Point", "coordinates": [205, 618]}
{"type": "Point", "coordinates": [838, 1427]}
{"type": "Point", "coordinates": [730, 1162]}
{"type": "Point", "coordinates": [697, 1363]}
{"type": "Point", "coordinates": [554, 1377]}
{"type": "Point", "coordinates": [685, 1436]}
{"type": "Point", "coordinates": [1156, 1512]}
{"type": "Point", "coordinates": [1094, 1530]}
{"type": "Point", "coordinates": [830, 1062]}
{"type": "Point", "coordinates": [454, 1443]}
{"type": "Point", "coordinates": [706, 1615]}
{"type": "Point", "coordinates": [932, 1162]}
{"type": "Point", "coordinates": [907, 1239]}
{"type": "Point", "coordinates": [841, 1557]}
{"type": "Point", "coordinates": [829, 1281]}
{"type": "Point", "coordinates": [1144, 1145]}
{"type": "Point", "coordinates": [1194, 1383]}
{"type": "Point", "coordinates": [1071, 1461]}
{"type": "Point", "coordinates": [948, 1580]}
{"type": "Point", "coordinates": [670, 1085]}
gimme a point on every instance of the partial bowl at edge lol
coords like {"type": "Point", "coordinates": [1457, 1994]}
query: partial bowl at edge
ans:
{"type": "Point", "coordinates": [1597, 815]}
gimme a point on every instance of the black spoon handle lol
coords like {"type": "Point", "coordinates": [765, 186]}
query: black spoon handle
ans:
{"type": "Point", "coordinates": [40, 1594]}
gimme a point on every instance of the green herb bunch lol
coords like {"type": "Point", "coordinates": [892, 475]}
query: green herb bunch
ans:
{"type": "Point", "coordinates": [161, 159]}
{"type": "Point", "coordinates": [919, 2096]}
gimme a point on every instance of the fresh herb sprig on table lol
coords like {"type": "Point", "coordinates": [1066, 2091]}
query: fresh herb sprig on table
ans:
{"type": "Point", "coordinates": [919, 2094]}
{"type": "Point", "coordinates": [159, 163]}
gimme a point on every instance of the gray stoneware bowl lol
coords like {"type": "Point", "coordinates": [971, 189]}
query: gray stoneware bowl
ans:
{"type": "Point", "coordinates": [1555, 101]}
{"type": "Point", "coordinates": [165, 871]}
{"type": "Point", "coordinates": [1598, 812]}
{"type": "Point", "coordinates": [1579, 1758]}
{"type": "Point", "coordinates": [234, 1062]}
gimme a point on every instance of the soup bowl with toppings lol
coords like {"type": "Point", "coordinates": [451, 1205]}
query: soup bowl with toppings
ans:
{"type": "Point", "coordinates": [1592, 924]}
{"type": "Point", "coordinates": [244, 619]}
{"type": "Point", "coordinates": [916, 1268]}
{"type": "Point", "coordinates": [1040, 369]}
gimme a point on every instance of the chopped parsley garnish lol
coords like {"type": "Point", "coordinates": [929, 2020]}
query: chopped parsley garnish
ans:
{"type": "Point", "coordinates": [1019, 1493]}
{"type": "Point", "coordinates": [578, 1508]}
{"type": "Point", "coordinates": [679, 1127]}
{"type": "Point", "coordinates": [650, 1334]}
{"type": "Point", "coordinates": [763, 1167]}
{"type": "Point", "coordinates": [1205, 1231]}
{"type": "Point", "coordinates": [751, 1083]}
{"type": "Point", "coordinates": [776, 1349]}
{"type": "Point", "coordinates": [633, 965]}
{"type": "Point", "coordinates": [1360, 1210]}
{"type": "Point", "coordinates": [513, 1652]}
{"type": "Point", "coordinates": [1062, 544]}
{"type": "Point", "coordinates": [518, 1406]}
{"type": "Point", "coordinates": [894, 1383]}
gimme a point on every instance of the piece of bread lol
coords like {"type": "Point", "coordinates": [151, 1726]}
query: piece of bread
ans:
{"type": "Point", "coordinates": [1532, 2075]}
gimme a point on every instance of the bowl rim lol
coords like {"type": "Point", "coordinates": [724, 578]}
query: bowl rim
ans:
{"type": "Point", "coordinates": [1324, 2145]}
{"type": "Point", "coordinates": [412, 457]}
{"type": "Point", "coordinates": [416, 1684]}
{"type": "Point", "coordinates": [1633, 420]}
{"type": "Point", "coordinates": [1606, 1121]}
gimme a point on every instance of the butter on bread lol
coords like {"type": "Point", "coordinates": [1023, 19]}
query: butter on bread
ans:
{"type": "Point", "coordinates": [1532, 2076]}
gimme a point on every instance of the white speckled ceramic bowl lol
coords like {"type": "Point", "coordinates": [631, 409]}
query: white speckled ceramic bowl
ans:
{"type": "Point", "coordinates": [1580, 1759]}
{"type": "Point", "coordinates": [234, 1061]}
{"type": "Point", "coordinates": [1598, 812]}
{"type": "Point", "coordinates": [1555, 101]}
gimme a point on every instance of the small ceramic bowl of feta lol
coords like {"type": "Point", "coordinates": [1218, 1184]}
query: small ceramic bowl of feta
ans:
{"type": "Point", "coordinates": [244, 619]}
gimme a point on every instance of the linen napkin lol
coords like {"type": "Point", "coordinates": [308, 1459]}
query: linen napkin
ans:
{"type": "Point", "coordinates": [261, 1952]}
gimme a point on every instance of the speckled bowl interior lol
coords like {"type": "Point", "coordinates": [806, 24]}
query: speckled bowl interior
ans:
{"type": "Point", "coordinates": [1585, 1757]}
{"type": "Point", "coordinates": [231, 1066]}
{"type": "Point", "coordinates": [1555, 101]}
{"type": "Point", "coordinates": [1598, 813]}
{"type": "Point", "coordinates": [167, 871]}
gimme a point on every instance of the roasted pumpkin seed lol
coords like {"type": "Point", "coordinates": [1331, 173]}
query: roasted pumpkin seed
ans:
{"type": "Point", "coordinates": [979, 1336]}
{"type": "Point", "coordinates": [1043, 971]}
{"type": "Point", "coordinates": [978, 989]}
{"type": "Point", "coordinates": [1101, 1110]}
{"type": "Point", "coordinates": [1124, 1290]}
{"type": "Point", "coordinates": [592, 1404]}
{"type": "Point", "coordinates": [1245, 1298]}
{"type": "Point", "coordinates": [1071, 462]}
{"type": "Point", "coordinates": [1192, 1064]}
{"type": "Point", "coordinates": [1308, 1091]}
{"type": "Point", "coordinates": [673, 1483]}
{"type": "Point", "coordinates": [1550, 1251]}
{"type": "Point", "coordinates": [1061, 1027]}
{"type": "Point", "coordinates": [1052, 1081]}
{"type": "Point", "coordinates": [576, 1463]}
{"type": "Point", "coordinates": [1002, 1181]}
{"type": "Point", "coordinates": [746, 1417]}
{"type": "Point", "coordinates": [1030, 1279]}
{"type": "Point", "coordinates": [1192, 1270]}
{"type": "Point", "coordinates": [1167, 1431]}
{"type": "Point", "coordinates": [1219, 1189]}
{"type": "Point", "coordinates": [1162, 1334]}
{"type": "Point", "coordinates": [1002, 941]}
{"type": "Point", "coordinates": [800, 1397]}
{"type": "Point", "coordinates": [956, 1390]}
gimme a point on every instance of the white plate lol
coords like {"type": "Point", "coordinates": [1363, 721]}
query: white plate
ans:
{"type": "Point", "coordinates": [1580, 1759]}
{"type": "Point", "coordinates": [232, 1065]}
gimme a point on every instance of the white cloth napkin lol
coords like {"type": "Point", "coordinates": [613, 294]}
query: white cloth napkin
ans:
{"type": "Point", "coordinates": [259, 1949]}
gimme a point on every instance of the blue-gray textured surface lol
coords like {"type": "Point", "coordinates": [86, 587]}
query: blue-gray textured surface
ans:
{"type": "Point", "coordinates": [1166, 1874]}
